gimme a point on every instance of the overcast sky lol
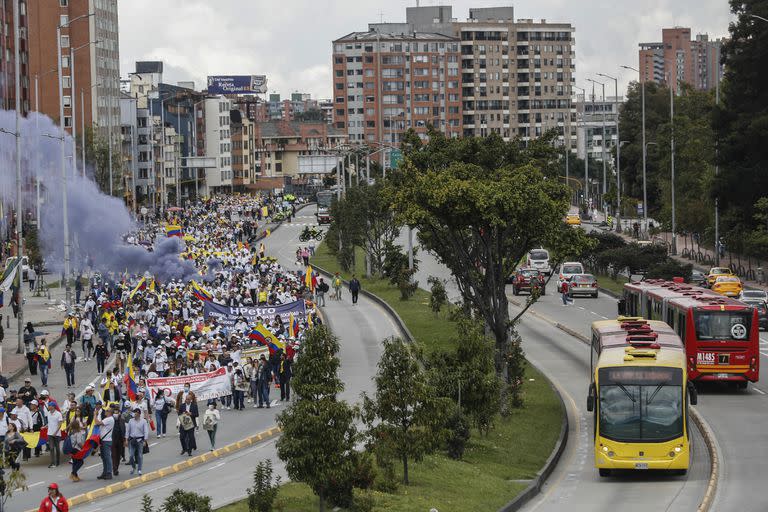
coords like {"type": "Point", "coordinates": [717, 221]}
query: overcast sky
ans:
{"type": "Point", "coordinates": [290, 41]}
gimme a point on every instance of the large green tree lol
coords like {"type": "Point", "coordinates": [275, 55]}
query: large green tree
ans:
{"type": "Point", "coordinates": [319, 433]}
{"type": "Point", "coordinates": [405, 418]}
{"type": "Point", "coordinates": [480, 204]}
{"type": "Point", "coordinates": [741, 121]}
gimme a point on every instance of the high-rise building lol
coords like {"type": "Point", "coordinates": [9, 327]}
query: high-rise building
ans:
{"type": "Point", "coordinates": [89, 36]}
{"type": "Point", "coordinates": [514, 77]}
{"type": "Point", "coordinates": [217, 143]}
{"type": "Point", "coordinates": [678, 59]}
{"type": "Point", "coordinates": [8, 58]}
{"type": "Point", "coordinates": [385, 83]}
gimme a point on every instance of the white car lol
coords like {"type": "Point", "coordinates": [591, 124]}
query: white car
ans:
{"type": "Point", "coordinates": [567, 271]}
{"type": "Point", "coordinates": [754, 295]}
{"type": "Point", "coordinates": [539, 259]}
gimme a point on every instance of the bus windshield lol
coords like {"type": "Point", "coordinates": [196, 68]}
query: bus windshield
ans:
{"type": "Point", "coordinates": [723, 325]}
{"type": "Point", "coordinates": [641, 404]}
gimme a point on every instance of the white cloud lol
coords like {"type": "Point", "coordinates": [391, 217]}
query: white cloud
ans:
{"type": "Point", "coordinates": [290, 41]}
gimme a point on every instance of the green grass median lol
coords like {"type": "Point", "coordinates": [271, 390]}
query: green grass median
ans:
{"type": "Point", "coordinates": [495, 468]}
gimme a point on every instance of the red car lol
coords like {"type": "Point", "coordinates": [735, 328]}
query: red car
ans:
{"type": "Point", "coordinates": [523, 278]}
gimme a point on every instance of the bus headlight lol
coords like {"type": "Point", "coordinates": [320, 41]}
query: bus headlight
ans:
{"type": "Point", "coordinates": [678, 449]}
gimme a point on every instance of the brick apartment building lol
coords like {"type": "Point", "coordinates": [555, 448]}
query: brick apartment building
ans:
{"type": "Point", "coordinates": [691, 61]}
{"type": "Point", "coordinates": [97, 66]}
{"type": "Point", "coordinates": [8, 58]}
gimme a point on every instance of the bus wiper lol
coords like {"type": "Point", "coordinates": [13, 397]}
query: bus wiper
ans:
{"type": "Point", "coordinates": [653, 395]}
{"type": "Point", "coordinates": [629, 395]}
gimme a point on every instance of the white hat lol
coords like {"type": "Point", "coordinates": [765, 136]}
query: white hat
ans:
{"type": "Point", "coordinates": [44, 392]}
{"type": "Point", "coordinates": [88, 387]}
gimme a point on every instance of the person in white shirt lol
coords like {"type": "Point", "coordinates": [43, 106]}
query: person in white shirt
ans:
{"type": "Point", "coordinates": [107, 425]}
{"type": "Point", "coordinates": [24, 416]}
{"type": "Point", "coordinates": [55, 419]}
{"type": "Point", "coordinates": [136, 434]}
{"type": "Point", "coordinates": [3, 424]}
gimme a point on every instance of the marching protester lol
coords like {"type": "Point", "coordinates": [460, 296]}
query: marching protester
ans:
{"type": "Point", "coordinates": [68, 359]}
{"type": "Point", "coordinates": [136, 438]}
{"type": "Point", "coordinates": [54, 501]}
{"type": "Point", "coordinates": [211, 420]}
{"type": "Point", "coordinates": [187, 423]}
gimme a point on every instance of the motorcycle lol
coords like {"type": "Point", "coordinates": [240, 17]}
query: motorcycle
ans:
{"type": "Point", "coordinates": [308, 234]}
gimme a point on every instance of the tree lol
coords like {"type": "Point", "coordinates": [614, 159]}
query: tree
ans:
{"type": "Point", "coordinates": [438, 297]}
{"type": "Point", "coordinates": [319, 433]}
{"type": "Point", "coordinates": [480, 204]}
{"type": "Point", "coordinates": [741, 119]}
{"type": "Point", "coordinates": [395, 268]}
{"type": "Point", "coordinates": [10, 481]}
{"type": "Point", "coordinates": [405, 418]}
{"type": "Point", "coordinates": [187, 501]}
{"type": "Point", "coordinates": [97, 157]}
{"type": "Point", "coordinates": [313, 114]}
{"type": "Point", "coordinates": [146, 504]}
{"type": "Point", "coordinates": [262, 495]}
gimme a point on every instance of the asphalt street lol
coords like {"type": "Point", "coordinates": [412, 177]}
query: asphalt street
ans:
{"type": "Point", "coordinates": [575, 483]}
{"type": "Point", "coordinates": [360, 329]}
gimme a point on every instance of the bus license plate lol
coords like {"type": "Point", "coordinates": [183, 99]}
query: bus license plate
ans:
{"type": "Point", "coordinates": [723, 375]}
{"type": "Point", "coordinates": [641, 465]}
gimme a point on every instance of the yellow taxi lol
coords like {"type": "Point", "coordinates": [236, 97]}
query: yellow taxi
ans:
{"type": "Point", "coordinates": [573, 219]}
{"type": "Point", "coordinates": [728, 285]}
{"type": "Point", "coordinates": [716, 272]}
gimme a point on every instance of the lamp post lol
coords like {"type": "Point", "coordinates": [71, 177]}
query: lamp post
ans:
{"type": "Point", "coordinates": [82, 122]}
{"type": "Point", "coordinates": [618, 148]}
{"type": "Point", "coordinates": [645, 152]}
{"type": "Point", "coordinates": [73, 106]}
{"type": "Point", "coordinates": [672, 161]}
{"type": "Point", "coordinates": [605, 183]}
{"type": "Point", "coordinates": [586, 148]}
{"type": "Point", "coordinates": [37, 154]}
{"type": "Point", "coordinates": [63, 158]}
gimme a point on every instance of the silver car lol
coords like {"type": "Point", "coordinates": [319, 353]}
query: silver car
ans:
{"type": "Point", "coordinates": [754, 295]}
{"type": "Point", "coordinates": [583, 284]}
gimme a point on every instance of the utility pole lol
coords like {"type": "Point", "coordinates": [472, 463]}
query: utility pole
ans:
{"type": "Point", "coordinates": [19, 205]}
{"type": "Point", "coordinates": [717, 166]}
{"type": "Point", "coordinates": [109, 137]}
{"type": "Point", "coordinates": [63, 161]}
{"type": "Point", "coordinates": [672, 159]}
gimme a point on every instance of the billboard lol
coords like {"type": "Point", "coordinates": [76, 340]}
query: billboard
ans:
{"type": "Point", "coordinates": [237, 84]}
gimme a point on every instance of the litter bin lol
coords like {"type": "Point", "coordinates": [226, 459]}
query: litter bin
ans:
{"type": "Point", "coordinates": [760, 277]}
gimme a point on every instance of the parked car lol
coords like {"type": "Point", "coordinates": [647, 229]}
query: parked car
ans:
{"type": "Point", "coordinates": [762, 311]}
{"type": "Point", "coordinates": [573, 219]}
{"type": "Point", "coordinates": [525, 279]}
{"type": "Point", "coordinates": [716, 272]}
{"type": "Point", "coordinates": [539, 259]}
{"type": "Point", "coordinates": [698, 278]}
{"type": "Point", "coordinates": [568, 270]}
{"type": "Point", "coordinates": [583, 284]}
{"type": "Point", "coordinates": [729, 286]}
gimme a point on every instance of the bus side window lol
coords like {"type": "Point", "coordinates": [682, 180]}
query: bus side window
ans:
{"type": "Point", "coordinates": [681, 326]}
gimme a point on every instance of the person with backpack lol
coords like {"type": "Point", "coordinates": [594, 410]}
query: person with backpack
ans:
{"type": "Point", "coordinates": [211, 420]}
{"type": "Point", "coordinates": [162, 409]}
{"type": "Point", "coordinates": [354, 288]}
{"type": "Point", "coordinates": [73, 444]}
{"type": "Point", "coordinates": [102, 354]}
{"type": "Point", "coordinates": [322, 289]}
{"type": "Point", "coordinates": [136, 436]}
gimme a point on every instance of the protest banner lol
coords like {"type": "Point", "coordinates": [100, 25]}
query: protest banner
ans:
{"type": "Point", "coordinates": [227, 316]}
{"type": "Point", "coordinates": [204, 385]}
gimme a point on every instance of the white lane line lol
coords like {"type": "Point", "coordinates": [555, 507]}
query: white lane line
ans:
{"type": "Point", "coordinates": [153, 444]}
{"type": "Point", "coordinates": [35, 484]}
{"type": "Point", "coordinates": [581, 308]}
{"type": "Point", "coordinates": [603, 317]}
{"type": "Point", "coordinates": [764, 353]}
{"type": "Point", "coordinates": [216, 466]}
{"type": "Point", "coordinates": [756, 389]}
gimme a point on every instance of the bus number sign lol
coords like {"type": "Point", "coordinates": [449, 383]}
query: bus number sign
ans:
{"type": "Point", "coordinates": [706, 358]}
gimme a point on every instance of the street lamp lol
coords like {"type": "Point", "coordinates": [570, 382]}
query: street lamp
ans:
{"type": "Point", "coordinates": [586, 148]}
{"type": "Point", "coordinates": [38, 76]}
{"type": "Point", "coordinates": [604, 159]}
{"type": "Point", "coordinates": [73, 106]}
{"type": "Point", "coordinates": [672, 159]}
{"type": "Point", "coordinates": [645, 152]}
{"type": "Point", "coordinates": [618, 149]}
{"type": "Point", "coordinates": [82, 121]}
{"type": "Point", "coordinates": [63, 156]}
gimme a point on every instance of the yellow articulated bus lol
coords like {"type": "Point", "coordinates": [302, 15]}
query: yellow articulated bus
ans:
{"type": "Point", "coordinates": [639, 395]}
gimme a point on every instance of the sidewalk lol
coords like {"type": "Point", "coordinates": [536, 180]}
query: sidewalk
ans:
{"type": "Point", "coordinates": [47, 316]}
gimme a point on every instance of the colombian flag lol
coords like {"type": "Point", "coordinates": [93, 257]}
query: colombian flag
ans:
{"type": "Point", "coordinates": [130, 380]}
{"type": "Point", "coordinates": [92, 440]}
{"type": "Point", "coordinates": [200, 292]}
{"type": "Point", "coordinates": [293, 326]}
{"type": "Point", "coordinates": [141, 286]}
{"type": "Point", "coordinates": [36, 439]}
{"type": "Point", "coordinates": [265, 337]}
{"type": "Point", "coordinates": [173, 230]}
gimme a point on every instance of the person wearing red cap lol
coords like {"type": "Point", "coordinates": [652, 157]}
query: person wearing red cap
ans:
{"type": "Point", "coordinates": [54, 502]}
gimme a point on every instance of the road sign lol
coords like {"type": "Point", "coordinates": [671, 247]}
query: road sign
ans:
{"type": "Point", "coordinates": [395, 156]}
{"type": "Point", "coordinates": [639, 208]}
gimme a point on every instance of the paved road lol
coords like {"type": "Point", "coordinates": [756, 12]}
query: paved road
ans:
{"type": "Point", "coordinates": [360, 329]}
{"type": "Point", "coordinates": [575, 484]}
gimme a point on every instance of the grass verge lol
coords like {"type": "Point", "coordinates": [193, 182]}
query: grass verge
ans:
{"type": "Point", "coordinates": [495, 468]}
{"type": "Point", "coordinates": [612, 285]}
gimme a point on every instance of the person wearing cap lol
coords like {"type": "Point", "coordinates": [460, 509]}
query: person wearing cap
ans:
{"type": "Point", "coordinates": [118, 439]}
{"type": "Point", "coordinates": [27, 392]}
{"type": "Point", "coordinates": [136, 436]}
{"type": "Point", "coordinates": [55, 420]}
{"type": "Point", "coordinates": [54, 501]}
{"type": "Point", "coordinates": [70, 327]}
{"type": "Point", "coordinates": [107, 425]}
{"type": "Point", "coordinates": [38, 421]}
{"type": "Point", "coordinates": [88, 402]}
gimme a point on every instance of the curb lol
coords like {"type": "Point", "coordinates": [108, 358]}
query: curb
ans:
{"type": "Point", "coordinates": [378, 300]}
{"type": "Point", "coordinates": [108, 490]}
{"type": "Point", "coordinates": [714, 457]}
{"type": "Point", "coordinates": [535, 486]}
{"type": "Point", "coordinates": [701, 424]}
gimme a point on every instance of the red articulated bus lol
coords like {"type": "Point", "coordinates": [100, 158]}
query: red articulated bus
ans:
{"type": "Point", "coordinates": [720, 334]}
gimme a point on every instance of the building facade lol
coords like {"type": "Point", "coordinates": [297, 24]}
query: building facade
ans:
{"type": "Point", "coordinates": [595, 115]}
{"type": "Point", "coordinates": [678, 59]}
{"type": "Point", "coordinates": [214, 128]}
{"type": "Point", "coordinates": [386, 83]}
{"type": "Point", "coordinates": [8, 57]}
{"type": "Point", "coordinates": [96, 66]}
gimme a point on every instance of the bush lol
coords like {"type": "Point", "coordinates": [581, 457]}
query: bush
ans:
{"type": "Point", "coordinates": [438, 296]}
{"type": "Point", "coordinates": [405, 284]}
{"type": "Point", "coordinates": [261, 497]}
{"type": "Point", "coordinates": [458, 434]}
{"type": "Point", "coordinates": [362, 501]}
{"type": "Point", "coordinates": [669, 269]}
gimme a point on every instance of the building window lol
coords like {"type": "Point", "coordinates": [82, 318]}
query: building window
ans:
{"type": "Point", "coordinates": [67, 101]}
{"type": "Point", "coordinates": [67, 121]}
{"type": "Point", "coordinates": [66, 82]}
{"type": "Point", "coordinates": [63, 20]}
{"type": "Point", "coordinates": [63, 3]}
{"type": "Point", "coordinates": [64, 61]}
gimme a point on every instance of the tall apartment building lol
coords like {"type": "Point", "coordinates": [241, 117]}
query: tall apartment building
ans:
{"type": "Point", "coordinates": [678, 59]}
{"type": "Point", "coordinates": [385, 83]}
{"type": "Point", "coordinates": [8, 57]}
{"type": "Point", "coordinates": [514, 77]}
{"type": "Point", "coordinates": [214, 128]}
{"type": "Point", "coordinates": [595, 115]}
{"type": "Point", "coordinates": [97, 66]}
{"type": "Point", "coordinates": [243, 158]}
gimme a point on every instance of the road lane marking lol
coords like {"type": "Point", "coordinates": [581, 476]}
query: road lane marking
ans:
{"type": "Point", "coordinates": [756, 389]}
{"type": "Point", "coordinates": [36, 484]}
